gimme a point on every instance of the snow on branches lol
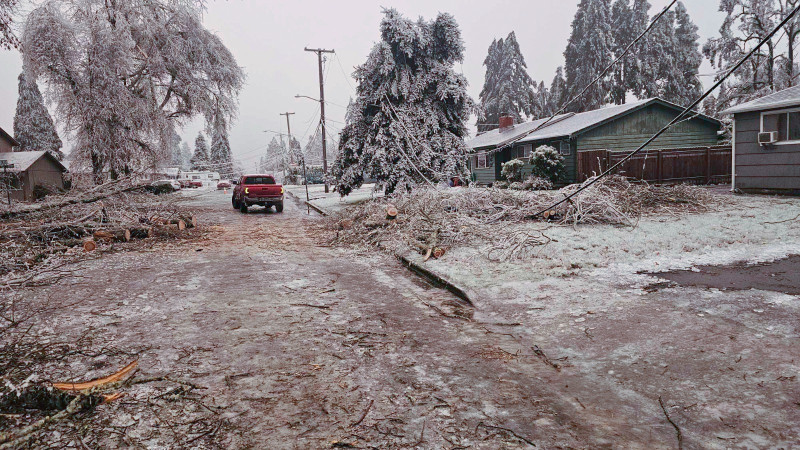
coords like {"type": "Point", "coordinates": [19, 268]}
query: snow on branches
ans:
{"type": "Point", "coordinates": [408, 122]}
{"type": "Point", "coordinates": [33, 126]}
{"type": "Point", "coordinates": [122, 74]}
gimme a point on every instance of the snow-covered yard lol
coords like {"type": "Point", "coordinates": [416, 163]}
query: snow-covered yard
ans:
{"type": "Point", "coordinates": [332, 201]}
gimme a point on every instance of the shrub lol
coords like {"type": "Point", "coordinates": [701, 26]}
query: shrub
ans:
{"type": "Point", "coordinates": [41, 191]}
{"type": "Point", "coordinates": [537, 184]}
{"type": "Point", "coordinates": [500, 185]}
{"type": "Point", "coordinates": [548, 163]}
{"type": "Point", "coordinates": [517, 186]}
{"type": "Point", "coordinates": [512, 170]}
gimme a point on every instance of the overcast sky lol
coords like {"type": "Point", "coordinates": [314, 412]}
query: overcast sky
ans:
{"type": "Point", "coordinates": [268, 37]}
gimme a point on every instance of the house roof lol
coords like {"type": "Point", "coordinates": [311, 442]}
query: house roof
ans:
{"type": "Point", "coordinates": [568, 125]}
{"type": "Point", "coordinates": [22, 161]}
{"type": "Point", "coordinates": [9, 138]}
{"type": "Point", "coordinates": [780, 99]}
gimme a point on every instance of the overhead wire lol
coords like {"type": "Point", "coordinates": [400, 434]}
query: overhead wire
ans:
{"type": "Point", "coordinates": [677, 118]}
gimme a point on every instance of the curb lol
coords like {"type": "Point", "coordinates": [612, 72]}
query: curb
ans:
{"type": "Point", "coordinates": [436, 279]}
{"type": "Point", "coordinates": [310, 205]}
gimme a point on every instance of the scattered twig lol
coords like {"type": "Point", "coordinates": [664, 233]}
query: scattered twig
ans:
{"type": "Point", "coordinates": [363, 415]}
{"type": "Point", "coordinates": [669, 419]}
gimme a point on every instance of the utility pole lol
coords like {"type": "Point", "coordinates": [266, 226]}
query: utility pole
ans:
{"type": "Point", "coordinates": [319, 52]}
{"type": "Point", "coordinates": [302, 158]}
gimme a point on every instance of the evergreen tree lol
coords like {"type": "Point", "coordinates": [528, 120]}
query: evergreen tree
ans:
{"type": "Point", "coordinates": [7, 38]}
{"type": "Point", "coordinates": [687, 59]}
{"type": "Point", "coordinates": [542, 102]}
{"type": "Point", "coordinates": [33, 126]}
{"type": "Point", "coordinates": [408, 121]}
{"type": "Point", "coordinates": [508, 89]}
{"type": "Point", "coordinates": [200, 160]}
{"type": "Point", "coordinates": [660, 70]}
{"type": "Point", "coordinates": [174, 144]}
{"type": "Point", "coordinates": [220, 157]}
{"type": "Point", "coordinates": [589, 51]}
{"type": "Point", "coordinates": [636, 66]}
{"type": "Point", "coordinates": [621, 18]}
{"type": "Point", "coordinates": [558, 92]}
{"type": "Point", "coordinates": [186, 156]}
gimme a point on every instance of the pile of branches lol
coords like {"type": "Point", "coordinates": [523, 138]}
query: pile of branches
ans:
{"type": "Point", "coordinates": [40, 238]}
{"type": "Point", "coordinates": [433, 220]}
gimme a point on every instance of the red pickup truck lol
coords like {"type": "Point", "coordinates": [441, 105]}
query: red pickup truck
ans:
{"type": "Point", "coordinates": [257, 190]}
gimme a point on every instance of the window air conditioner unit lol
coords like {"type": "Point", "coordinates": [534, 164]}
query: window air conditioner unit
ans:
{"type": "Point", "coordinates": [768, 137]}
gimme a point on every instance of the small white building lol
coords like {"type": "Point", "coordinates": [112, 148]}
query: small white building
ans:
{"type": "Point", "coordinates": [209, 179]}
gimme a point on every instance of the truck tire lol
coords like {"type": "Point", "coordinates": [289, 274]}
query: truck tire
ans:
{"type": "Point", "coordinates": [279, 207]}
{"type": "Point", "coordinates": [234, 203]}
{"type": "Point", "coordinates": [243, 207]}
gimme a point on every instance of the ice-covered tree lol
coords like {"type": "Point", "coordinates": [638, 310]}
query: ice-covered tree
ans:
{"type": "Point", "coordinates": [773, 67]}
{"type": "Point", "coordinates": [220, 157]}
{"type": "Point", "coordinates": [507, 89]}
{"type": "Point", "coordinates": [687, 60]}
{"type": "Point", "coordinates": [33, 126]}
{"type": "Point", "coordinates": [7, 38]}
{"type": "Point", "coordinates": [660, 71]}
{"type": "Point", "coordinates": [408, 122]}
{"type": "Point", "coordinates": [200, 160]}
{"type": "Point", "coordinates": [186, 156]}
{"type": "Point", "coordinates": [121, 73]}
{"type": "Point", "coordinates": [621, 18]}
{"type": "Point", "coordinates": [175, 157]}
{"type": "Point", "coordinates": [636, 65]}
{"type": "Point", "coordinates": [558, 92]}
{"type": "Point", "coordinates": [589, 51]}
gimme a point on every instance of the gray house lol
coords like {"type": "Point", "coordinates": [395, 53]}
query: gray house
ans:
{"type": "Point", "coordinates": [617, 128]}
{"type": "Point", "coordinates": [766, 143]}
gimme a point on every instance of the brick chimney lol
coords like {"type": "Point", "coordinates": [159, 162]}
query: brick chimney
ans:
{"type": "Point", "coordinates": [506, 122]}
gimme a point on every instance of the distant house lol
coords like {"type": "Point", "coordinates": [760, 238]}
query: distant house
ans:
{"type": "Point", "coordinates": [31, 169]}
{"type": "Point", "coordinates": [7, 142]}
{"type": "Point", "coordinates": [766, 143]}
{"type": "Point", "coordinates": [618, 128]}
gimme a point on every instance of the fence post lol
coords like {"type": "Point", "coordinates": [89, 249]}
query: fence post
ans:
{"type": "Point", "coordinates": [608, 161]}
{"type": "Point", "coordinates": [660, 166]}
{"type": "Point", "coordinates": [708, 165]}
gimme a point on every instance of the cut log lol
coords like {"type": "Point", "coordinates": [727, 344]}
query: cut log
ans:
{"type": "Point", "coordinates": [119, 235]}
{"type": "Point", "coordinates": [99, 382]}
{"type": "Point", "coordinates": [438, 252]}
{"type": "Point", "coordinates": [391, 212]}
{"type": "Point", "coordinates": [181, 225]}
{"type": "Point", "coordinates": [89, 245]}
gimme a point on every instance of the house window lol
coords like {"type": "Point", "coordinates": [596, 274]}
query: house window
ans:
{"type": "Point", "coordinates": [523, 151]}
{"type": "Point", "coordinates": [481, 161]}
{"type": "Point", "coordinates": [786, 123]}
{"type": "Point", "coordinates": [564, 148]}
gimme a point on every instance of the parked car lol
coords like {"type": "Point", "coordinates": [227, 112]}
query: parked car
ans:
{"type": "Point", "coordinates": [164, 186]}
{"type": "Point", "coordinates": [185, 184]}
{"type": "Point", "coordinates": [223, 185]}
{"type": "Point", "coordinates": [257, 190]}
{"type": "Point", "coordinates": [195, 184]}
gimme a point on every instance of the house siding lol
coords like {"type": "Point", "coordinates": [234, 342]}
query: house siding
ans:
{"type": "Point", "coordinates": [763, 167]}
{"type": "Point", "coordinates": [629, 132]}
{"type": "Point", "coordinates": [5, 146]}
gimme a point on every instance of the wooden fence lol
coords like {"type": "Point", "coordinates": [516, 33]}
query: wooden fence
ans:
{"type": "Point", "coordinates": [699, 165]}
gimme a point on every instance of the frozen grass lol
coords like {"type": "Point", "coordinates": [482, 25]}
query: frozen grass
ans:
{"type": "Point", "coordinates": [744, 229]}
{"type": "Point", "coordinates": [332, 201]}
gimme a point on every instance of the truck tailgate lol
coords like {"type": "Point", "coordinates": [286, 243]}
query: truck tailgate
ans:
{"type": "Point", "coordinates": [264, 190]}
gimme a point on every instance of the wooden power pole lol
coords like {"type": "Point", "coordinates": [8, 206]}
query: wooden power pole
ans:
{"type": "Point", "coordinates": [319, 52]}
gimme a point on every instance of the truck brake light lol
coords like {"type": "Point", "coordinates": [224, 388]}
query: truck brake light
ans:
{"type": "Point", "coordinates": [246, 190]}
{"type": "Point", "coordinates": [281, 190]}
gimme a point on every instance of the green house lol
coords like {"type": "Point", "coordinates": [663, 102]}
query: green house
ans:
{"type": "Point", "coordinates": [614, 128]}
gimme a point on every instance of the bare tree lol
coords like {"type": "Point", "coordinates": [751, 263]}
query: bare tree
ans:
{"type": "Point", "coordinates": [123, 73]}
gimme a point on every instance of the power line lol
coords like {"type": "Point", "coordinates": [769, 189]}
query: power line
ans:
{"type": "Point", "coordinates": [677, 118]}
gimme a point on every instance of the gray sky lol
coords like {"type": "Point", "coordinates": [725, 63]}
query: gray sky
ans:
{"type": "Point", "coordinates": [268, 37]}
